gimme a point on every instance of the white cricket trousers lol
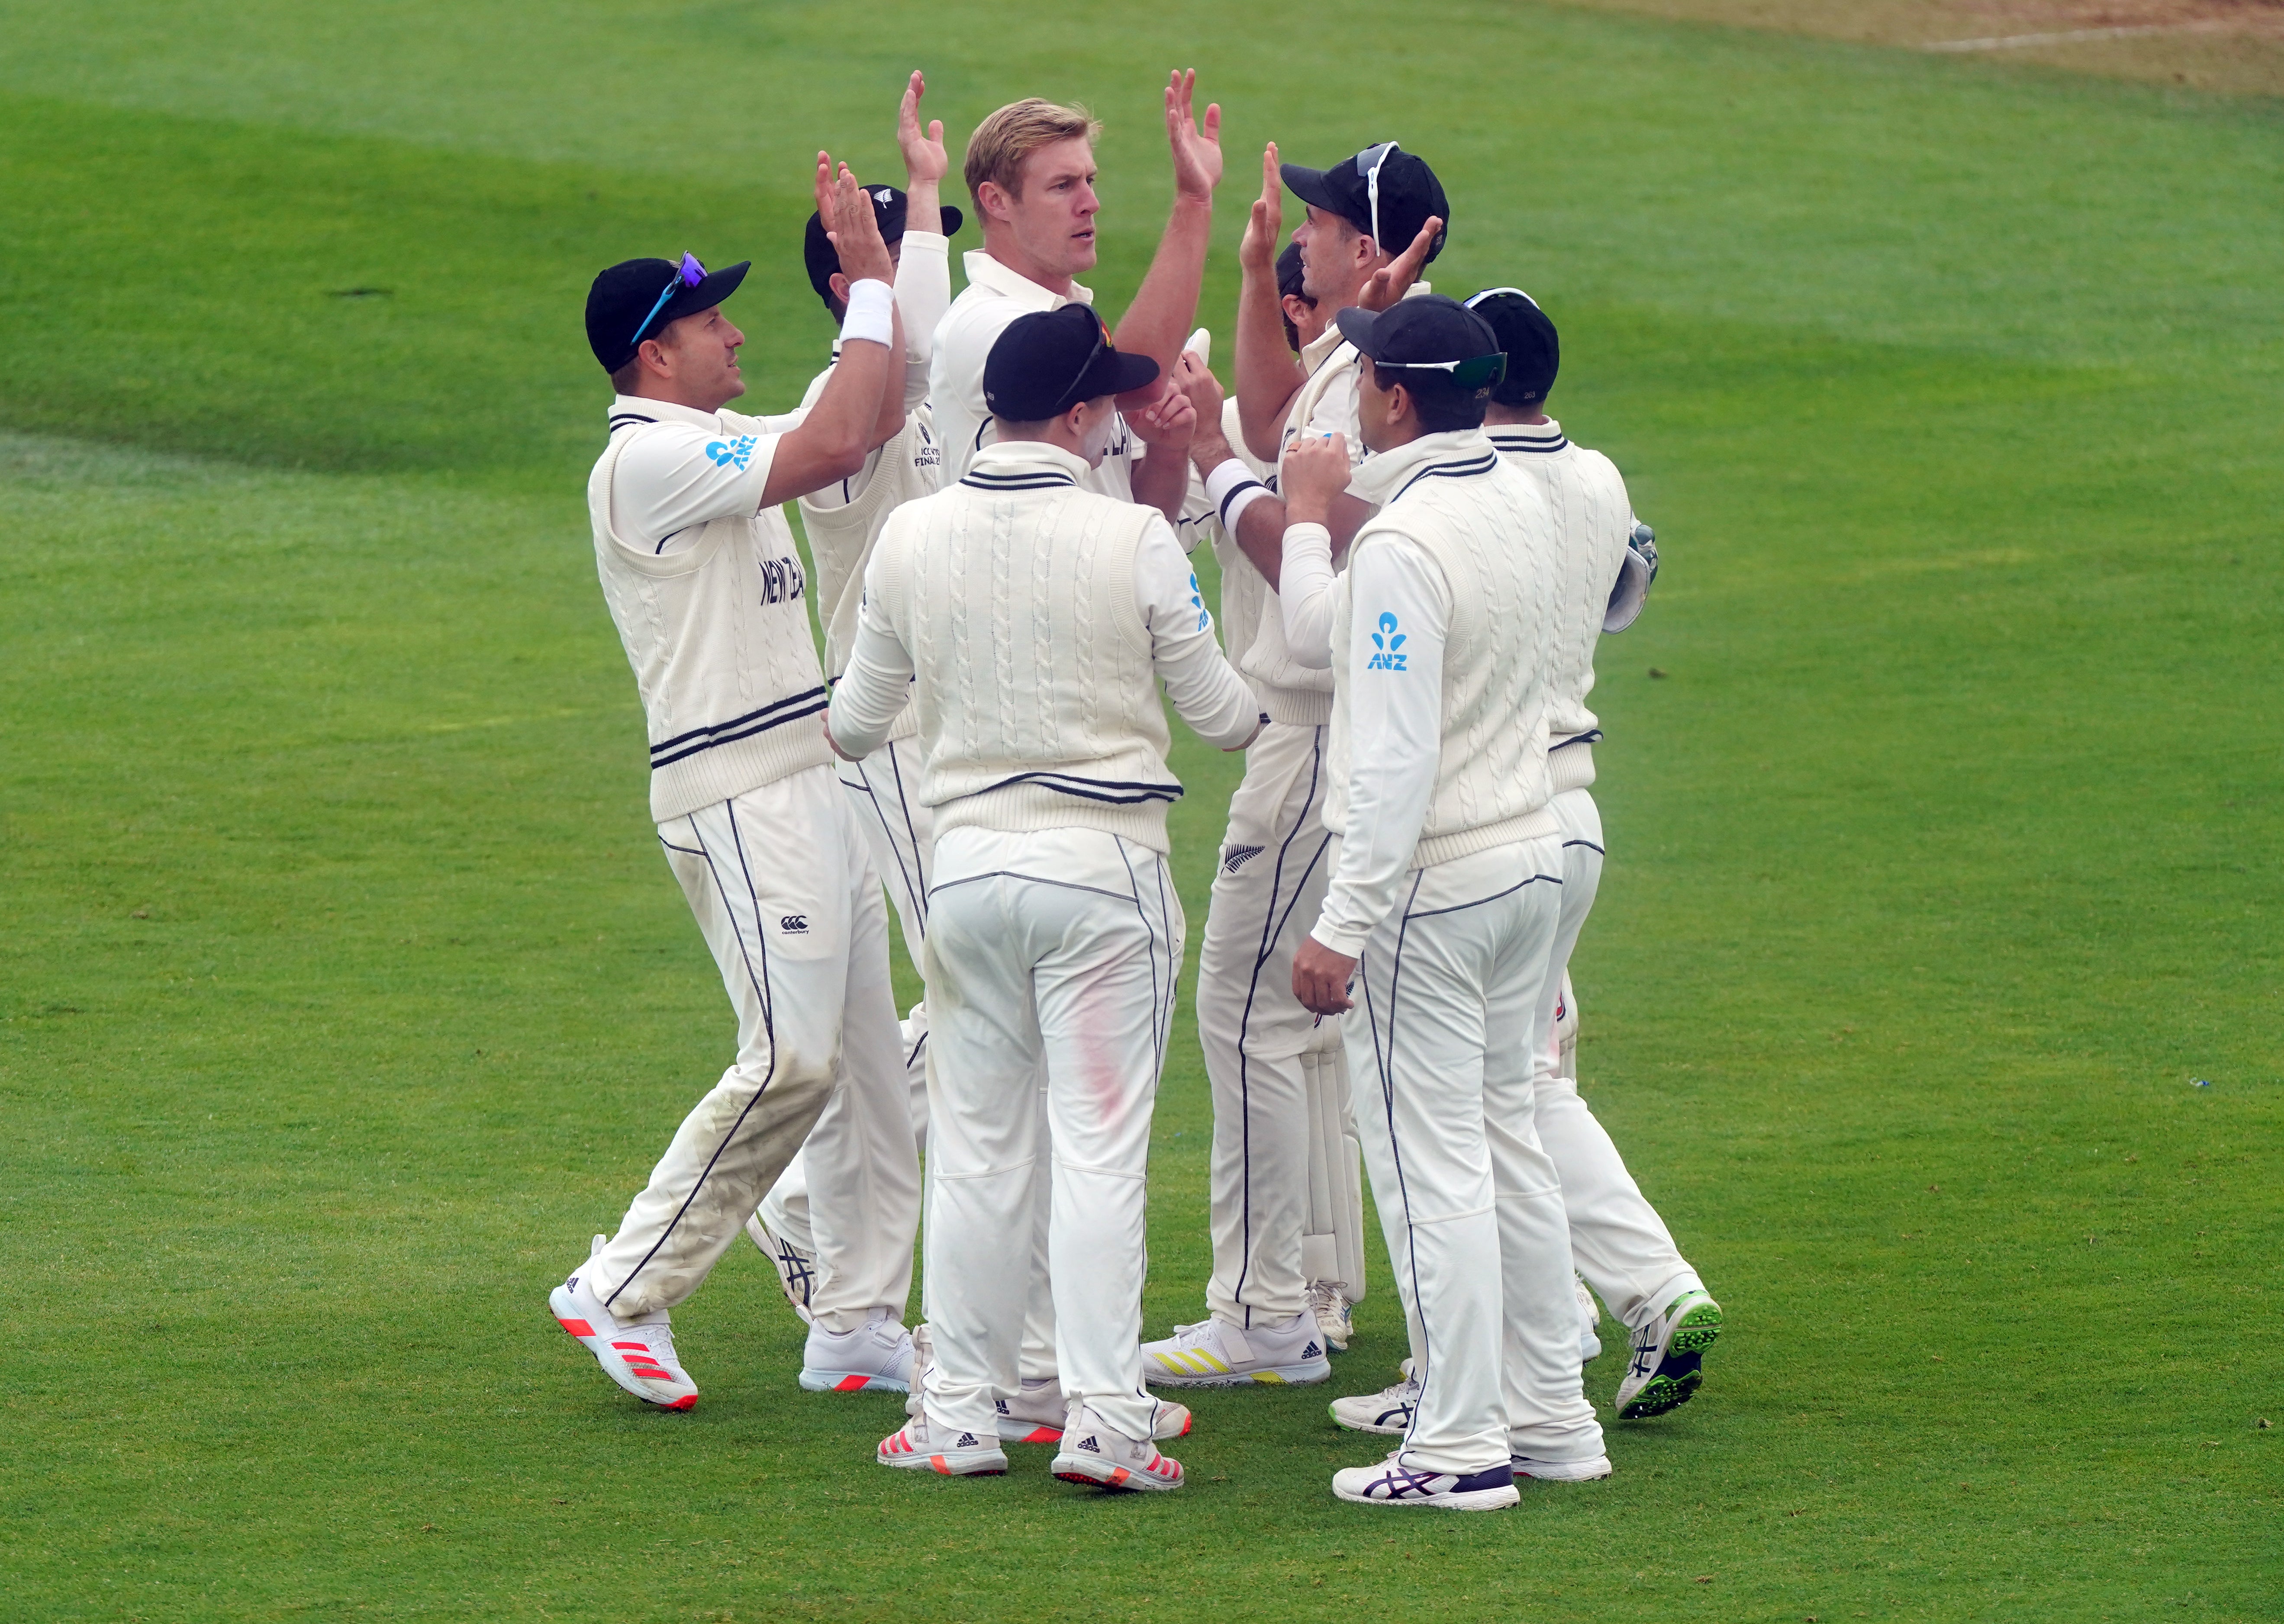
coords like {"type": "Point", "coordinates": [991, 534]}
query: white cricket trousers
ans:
{"type": "Point", "coordinates": [1288, 1197]}
{"type": "Point", "coordinates": [852, 1198]}
{"type": "Point", "coordinates": [787, 897]}
{"type": "Point", "coordinates": [1059, 947]}
{"type": "Point", "coordinates": [1441, 1042]}
{"type": "Point", "coordinates": [1617, 1240]}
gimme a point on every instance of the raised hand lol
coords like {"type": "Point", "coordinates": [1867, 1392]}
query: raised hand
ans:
{"type": "Point", "coordinates": [1391, 282]}
{"type": "Point", "coordinates": [852, 227]}
{"type": "Point", "coordinates": [1264, 230]}
{"type": "Point", "coordinates": [1197, 152]}
{"type": "Point", "coordinates": [1194, 379]}
{"type": "Point", "coordinates": [926, 161]}
{"type": "Point", "coordinates": [1315, 471]}
{"type": "Point", "coordinates": [1168, 422]}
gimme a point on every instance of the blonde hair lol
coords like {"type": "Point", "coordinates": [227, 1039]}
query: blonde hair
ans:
{"type": "Point", "coordinates": [996, 151]}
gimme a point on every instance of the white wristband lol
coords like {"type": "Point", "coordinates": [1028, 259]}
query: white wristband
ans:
{"type": "Point", "coordinates": [871, 307]}
{"type": "Point", "coordinates": [1232, 488]}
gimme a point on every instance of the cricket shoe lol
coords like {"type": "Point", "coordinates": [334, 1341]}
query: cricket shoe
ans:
{"type": "Point", "coordinates": [796, 1269]}
{"type": "Point", "coordinates": [1667, 1352]}
{"type": "Point", "coordinates": [916, 1445]}
{"type": "Point", "coordinates": [1095, 1452]}
{"type": "Point", "coordinates": [1213, 1353]}
{"type": "Point", "coordinates": [1388, 1410]}
{"type": "Point", "coordinates": [1393, 1483]}
{"type": "Point", "coordinates": [638, 1358]}
{"type": "Point", "coordinates": [1590, 1323]}
{"type": "Point", "coordinates": [1037, 1414]}
{"type": "Point", "coordinates": [1328, 1301]}
{"type": "Point", "coordinates": [1559, 1472]}
{"type": "Point", "coordinates": [876, 1357]}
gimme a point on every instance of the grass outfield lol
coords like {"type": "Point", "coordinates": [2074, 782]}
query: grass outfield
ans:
{"type": "Point", "coordinates": [343, 993]}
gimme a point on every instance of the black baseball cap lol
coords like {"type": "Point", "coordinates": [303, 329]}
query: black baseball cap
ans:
{"type": "Point", "coordinates": [1409, 193]}
{"type": "Point", "coordinates": [888, 207]}
{"type": "Point", "coordinates": [623, 306]}
{"type": "Point", "coordinates": [1048, 361]}
{"type": "Point", "coordinates": [1429, 332]}
{"type": "Point", "coordinates": [1289, 273]}
{"type": "Point", "coordinates": [1533, 353]}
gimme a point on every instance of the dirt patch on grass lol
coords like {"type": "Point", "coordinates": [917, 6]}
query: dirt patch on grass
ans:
{"type": "Point", "coordinates": [2236, 46]}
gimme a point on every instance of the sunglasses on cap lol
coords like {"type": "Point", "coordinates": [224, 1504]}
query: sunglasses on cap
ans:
{"type": "Point", "coordinates": [690, 273]}
{"type": "Point", "coordinates": [1368, 164]}
{"type": "Point", "coordinates": [1064, 400]}
{"type": "Point", "coordinates": [1495, 293]}
{"type": "Point", "coordinates": [1476, 373]}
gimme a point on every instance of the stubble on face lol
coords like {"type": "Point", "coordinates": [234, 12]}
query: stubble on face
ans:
{"type": "Point", "coordinates": [1054, 215]}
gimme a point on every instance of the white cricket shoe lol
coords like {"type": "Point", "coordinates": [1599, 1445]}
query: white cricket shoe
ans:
{"type": "Point", "coordinates": [1213, 1353]}
{"type": "Point", "coordinates": [918, 1447]}
{"type": "Point", "coordinates": [1393, 1483]}
{"type": "Point", "coordinates": [796, 1269]}
{"type": "Point", "coordinates": [1096, 1452]}
{"type": "Point", "coordinates": [876, 1357]}
{"type": "Point", "coordinates": [1388, 1410]}
{"type": "Point", "coordinates": [1328, 1301]}
{"type": "Point", "coordinates": [1037, 1414]}
{"type": "Point", "coordinates": [1590, 1323]}
{"type": "Point", "coordinates": [1668, 1350]}
{"type": "Point", "coordinates": [638, 1358]}
{"type": "Point", "coordinates": [1559, 1472]}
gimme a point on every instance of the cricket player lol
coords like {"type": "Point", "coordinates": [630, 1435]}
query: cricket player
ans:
{"type": "Point", "coordinates": [699, 571]}
{"type": "Point", "coordinates": [1030, 168]}
{"type": "Point", "coordinates": [1603, 570]}
{"type": "Point", "coordinates": [857, 1178]}
{"type": "Point", "coordinates": [1445, 898]}
{"type": "Point", "coordinates": [1287, 1210]}
{"type": "Point", "coordinates": [1029, 621]}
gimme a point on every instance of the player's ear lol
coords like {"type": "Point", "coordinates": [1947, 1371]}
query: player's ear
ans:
{"type": "Point", "coordinates": [840, 286]}
{"type": "Point", "coordinates": [992, 198]}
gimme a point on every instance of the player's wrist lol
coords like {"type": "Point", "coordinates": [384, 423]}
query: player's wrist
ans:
{"type": "Point", "coordinates": [1232, 488]}
{"type": "Point", "coordinates": [871, 313]}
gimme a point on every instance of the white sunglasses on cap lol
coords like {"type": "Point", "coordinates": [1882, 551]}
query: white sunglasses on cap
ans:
{"type": "Point", "coordinates": [1368, 164]}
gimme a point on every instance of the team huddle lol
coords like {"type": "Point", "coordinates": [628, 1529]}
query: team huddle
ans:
{"type": "Point", "coordinates": [1000, 493]}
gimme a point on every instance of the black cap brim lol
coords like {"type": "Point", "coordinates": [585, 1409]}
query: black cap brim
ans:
{"type": "Point", "coordinates": [1355, 325]}
{"type": "Point", "coordinates": [1313, 188]}
{"type": "Point", "coordinates": [1114, 372]}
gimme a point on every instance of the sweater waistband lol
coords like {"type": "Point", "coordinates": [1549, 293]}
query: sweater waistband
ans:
{"type": "Point", "coordinates": [1302, 706]}
{"type": "Point", "coordinates": [1572, 766]}
{"type": "Point", "coordinates": [1028, 805]}
{"type": "Point", "coordinates": [1466, 842]}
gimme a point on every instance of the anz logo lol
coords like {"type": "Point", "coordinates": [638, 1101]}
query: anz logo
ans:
{"type": "Point", "coordinates": [781, 581]}
{"type": "Point", "coordinates": [1387, 647]}
{"type": "Point", "coordinates": [731, 453]}
{"type": "Point", "coordinates": [1198, 603]}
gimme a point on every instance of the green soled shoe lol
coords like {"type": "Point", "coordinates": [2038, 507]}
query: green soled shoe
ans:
{"type": "Point", "coordinates": [1668, 1353]}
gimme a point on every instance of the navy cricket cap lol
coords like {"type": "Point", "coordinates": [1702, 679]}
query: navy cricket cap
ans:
{"type": "Point", "coordinates": [1048, 361]}
{"type": "Point", "coordinates": [1428, 332]}
{"type": "Point", "coordinates": [1409, 193]}
{"type": "Point", "coordinates": [1534, 355]}
{"type": "Point", "coordinates": [624, 308]}
{"type": "Point", "coordinates": [889, 207]}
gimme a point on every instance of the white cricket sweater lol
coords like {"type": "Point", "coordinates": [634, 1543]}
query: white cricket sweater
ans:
{"type": "Point", "coordinates": [1440, 633]}
{"type": "Point", "coordinates": [706, 588]}
{"type": "Point", "coordinates": [1587, 501]}
{"type": "Point", "coordinates": [1028, 622]}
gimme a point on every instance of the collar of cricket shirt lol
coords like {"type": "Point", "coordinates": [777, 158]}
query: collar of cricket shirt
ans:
{"type": "Point", "coordinates": [1534, 437]}
{"type": "Point", "coordinates": [1314, 353]}
{"type": "Point", "coordinates": [627, 409]}
{"type": "Point", "coordinates": [1024, 465]}
{"type": "Point", "coordinates": [983, 270]}
{"type": "Point", "coordinates": [1382, 477]}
